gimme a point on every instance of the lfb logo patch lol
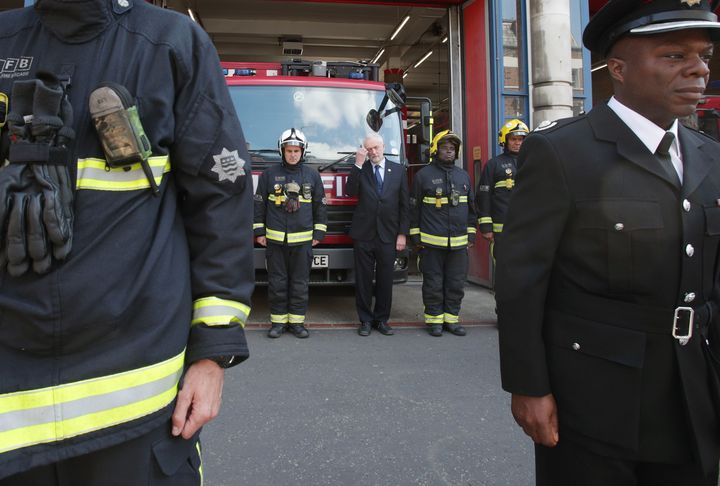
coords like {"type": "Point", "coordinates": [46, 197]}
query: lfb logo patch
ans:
{"type": "Point", "coordinates": [228, 165]}
{"type": "Point", "coordinates": [14, 67]}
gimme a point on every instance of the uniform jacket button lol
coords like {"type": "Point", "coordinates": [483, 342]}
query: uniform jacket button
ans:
{"type": "Point", "coordinates": [686, 205]}
{"type": "Point", "coordinates": [689, 250]}
{"type": "Point", "coordinates": [619, 226]}
{"type": "Point", "coordinates": [576, 346]}
{"type": "Point", "coordinates": [689, 297]}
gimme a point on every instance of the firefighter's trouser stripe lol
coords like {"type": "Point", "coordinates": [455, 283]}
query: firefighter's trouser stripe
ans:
{"type": "Point", "coordinates": [279, 318]}
{"type": "Point", "coordinates": [451, 319]}
{"type": "Point", "coordinates": [95, 174]}
{"type": "Point", "coordinates": [454, 241]}
{"type": "Point", "coordinates": [214, 311]}
{"type": "Point", "coordinates": [443, 200]}
{"type": "Point", "coordinates": [60, 412]}
{"type": "Point", "coordinates": [279, 236]}
{"type": "Point", "coordinates": [296, 319]}
{"type": "Point", "coordinates": [430, 320]}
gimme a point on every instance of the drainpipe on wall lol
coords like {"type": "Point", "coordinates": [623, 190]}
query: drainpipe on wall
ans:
{"type": "Point", "coordinates": [552, 95]}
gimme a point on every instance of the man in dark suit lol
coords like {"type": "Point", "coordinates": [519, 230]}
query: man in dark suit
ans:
{"type": "Point", "coordinates": [608, 281]}
{"type": "Point", "coordinates": [379, 229]}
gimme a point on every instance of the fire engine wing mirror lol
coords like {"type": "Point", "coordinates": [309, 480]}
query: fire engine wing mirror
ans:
{"type": "Point", "coordinates": [374, 120]}
{"type": "Point", "coordinates": [395, 93]}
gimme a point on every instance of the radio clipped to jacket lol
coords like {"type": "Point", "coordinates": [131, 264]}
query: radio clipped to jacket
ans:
{"type": "Point", "coordinates": [115, 115]}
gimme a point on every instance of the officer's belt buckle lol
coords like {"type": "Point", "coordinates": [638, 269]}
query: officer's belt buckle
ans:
{"type": "Point", "coordinates": [683, 314]}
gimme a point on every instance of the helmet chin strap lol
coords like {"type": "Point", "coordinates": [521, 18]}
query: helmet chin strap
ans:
{"type": "Point", "coordinates": [74, 21]}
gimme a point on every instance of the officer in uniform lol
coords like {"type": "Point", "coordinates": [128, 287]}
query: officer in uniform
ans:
{"type": "Point", "coordinates": [125, 243]}
{"type": "Point", "coordinates": [498, 180]}
{"type": "Point", "coordinates": [290, 218]}
{"type": "Point", "coordinates": [608, 280]}
{"type": "Point", "coordinates": [442, 225]}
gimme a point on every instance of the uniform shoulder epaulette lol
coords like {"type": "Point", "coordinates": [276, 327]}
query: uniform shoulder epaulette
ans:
{"type": "Point", "coordinates": [552, 125]}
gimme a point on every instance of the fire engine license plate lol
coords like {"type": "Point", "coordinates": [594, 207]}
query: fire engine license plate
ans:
{"type": "Point", "coordinates": [320, 261]}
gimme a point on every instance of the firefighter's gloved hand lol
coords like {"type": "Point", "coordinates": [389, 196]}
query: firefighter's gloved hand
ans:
{"type": "Point", "coordinates": [21, 105]}
{"type": "Point", "coordinates": [15, 182]}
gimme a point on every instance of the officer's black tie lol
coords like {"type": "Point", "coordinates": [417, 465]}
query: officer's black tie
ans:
{"type": "Point", "coordinates": [663, 154]}
{"type": "Point", "coordinates": [378, 179]}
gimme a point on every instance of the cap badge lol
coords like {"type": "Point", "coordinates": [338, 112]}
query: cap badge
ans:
{"type": "Point", "coordinates": [690, 3]}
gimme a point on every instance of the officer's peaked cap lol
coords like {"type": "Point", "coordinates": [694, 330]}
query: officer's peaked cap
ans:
{"type": "Point", "coordinates": [644, 17]}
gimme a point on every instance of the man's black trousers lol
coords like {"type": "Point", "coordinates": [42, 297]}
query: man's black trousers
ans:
{"type": "Point", "coordinates": [374, 260]}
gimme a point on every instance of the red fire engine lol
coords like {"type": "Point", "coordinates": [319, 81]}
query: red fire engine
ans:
{"type": "Point", "coordinates": [334, 104]}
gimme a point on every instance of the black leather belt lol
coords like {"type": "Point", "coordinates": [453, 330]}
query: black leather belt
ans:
{"type": "Point", "coordinates": [679, 322]}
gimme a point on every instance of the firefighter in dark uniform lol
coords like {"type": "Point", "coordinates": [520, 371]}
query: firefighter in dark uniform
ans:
{"type": "Point", "coordinates": [608, 275]}
{"type": "Point", "coordinates": [498, 180]}
{"type": "Point", "coordinates": [442, 225]}
{"type": "Point", "coordinates": [125, 243]}
{"type": "Point", "coordinates": [290, 218]}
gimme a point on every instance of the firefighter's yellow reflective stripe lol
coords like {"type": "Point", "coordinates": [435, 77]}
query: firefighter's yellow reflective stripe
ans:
{"type": "Point", "coordinates": [299, 237]}
{"type": "Point", "coordinates": [272, 197]}
{"type": "Point", "coordinates": [271, 234]}
{"type": "Point", "coordinates": [279, 318]}
{"type": "Point", "coordinates": [497, 228]}
{"type": "Point", "coordinates": [258, 225]}
{"type": "Point", "coordinates": [443, 200]}
{"type": "Point", "coordinates": [296, 319]}
{"type": "Point", "coordinates": [472, 230]}
{"type": "Point", "coordinates": [433, 319]}
{"type": "Point", "coordinates": [458, 240]}
{"type": "Point", "coordinates": [485, 220]}
{"type": "Point", "coordinates": [94, 174]}
{"type": "Point", "coordinates": [451, 319]}
{"type": "Point", "coordinates": [433, 240]}
{"type": "Point", "coordinates": [320, 227]}
{"type": "Point", "coordinates": [213, 311]}
{"type": "Point", "coordinates": [200, 469]}
{"type": "Point", "coordinates": [414, 231]}
{"type": "Point", "coordinates": [507, 183]}
{"type": "Point", "coordinates": [303, 200]}
{"type": "Point", "coordinates": [60, 412]}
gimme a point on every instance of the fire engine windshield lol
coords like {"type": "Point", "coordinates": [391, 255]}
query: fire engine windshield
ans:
{"type": "Point", "coordinates": [333, 120]}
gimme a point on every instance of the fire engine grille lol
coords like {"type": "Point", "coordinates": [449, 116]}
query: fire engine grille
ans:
{"type": "Point", "coordinates": [339, 219]}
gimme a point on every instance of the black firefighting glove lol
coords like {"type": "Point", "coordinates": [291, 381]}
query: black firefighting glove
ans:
{"type": "Point", "coordinates": [292, 197]}
{"type": "Point", "coordinates": [37, 195]}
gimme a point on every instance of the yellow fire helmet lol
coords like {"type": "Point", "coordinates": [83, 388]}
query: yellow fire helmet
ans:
{"type": "Point", "coordinates": [514, 127]}
{"type": "Point", "coordinates": [442, 136]}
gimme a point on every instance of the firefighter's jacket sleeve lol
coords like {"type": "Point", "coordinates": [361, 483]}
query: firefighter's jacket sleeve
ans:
{"type": "Point", "coordinates": [319, 207]}
{"type": "Point", "coordinates": [259, 205]}
{"type": "Point", "coordinates": [215, 186]}
{"type": "Point", "coordinates": [485, 192]}
{"type": "Point", "coordinates": [442, 213]}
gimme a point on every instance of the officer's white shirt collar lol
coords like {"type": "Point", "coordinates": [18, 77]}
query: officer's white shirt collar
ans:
{"type": "Point", "coordinates": [648, 132]}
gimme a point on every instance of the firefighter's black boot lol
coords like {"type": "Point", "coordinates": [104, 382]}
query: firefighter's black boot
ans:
{"type": "Point", "coordinates": [298, 330]}
{"type": "Point", "coordinates": [456, 329]}
{"type": "Point", "coordinates": [276, 330]}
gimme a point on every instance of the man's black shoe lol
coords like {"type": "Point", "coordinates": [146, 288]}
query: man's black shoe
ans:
{"type": "Point", "coordinates": [456, 329]}
{"type": "Point", "coordinates": [364, 329]}
{"type": "Point", "coordinates": [384, 328]}
{"type": "Point", "coordinates": [298, 330]}
{"type": "Point", "coordinates": [435, 330]}
{"type": "Point", "coordinates": [276, 331]}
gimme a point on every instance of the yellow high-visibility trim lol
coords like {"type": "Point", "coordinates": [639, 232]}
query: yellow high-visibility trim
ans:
{"type": "Point", "coordinates": [296, 319]}
{"type": "Point", "coordinates": [320, 227]}
{"type": "Point", "coordinates": [299, 237]}
{"type": "Point", "coordinates": [458, 240]}
{"type": "Point", "coordinates": [86, 400]}
{"type": "Point", "coordinates": [506, 183]}
{"type": "Point", "coordinates": [414, 231]}
{"type": "Point", "coordinates": [213, 311]}
{"type": "Point", "coordinates": [94, 174]}
{"type": "Point", "coordinates": [279, 318]}
{"type": "Point", "coordinates": [303, 200]}
{"type": "Point", "coordinates": [443, 200]}
{"type": "Point", "coordinates": [434, 240]}
{"type": "Point", "coordinates": [497, 227]}
{"type": "Point", "coordinates": [258, 225]}
{"type": "Point", "coordinates": [283, 198]}
{"type": "Point", "coordinates": [450, 318]}
{"type": "Point", "coordinates": [485, 220]}
{"type": "Point", "coordinates": [274, 235]}
{"type": "Point", "coordinates": [429, 319]}
{"type": "Point", "coordinates": [200, 469]}
{"type": "Point", "coordinates": [472, 230]}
